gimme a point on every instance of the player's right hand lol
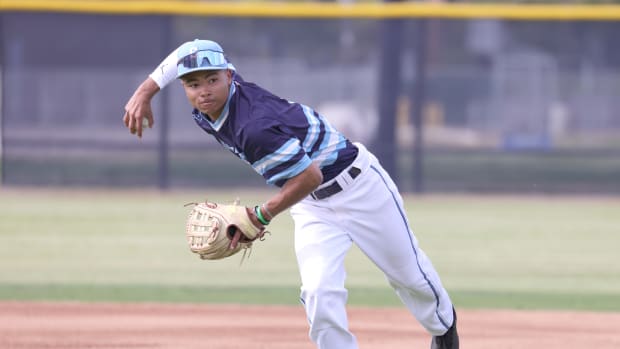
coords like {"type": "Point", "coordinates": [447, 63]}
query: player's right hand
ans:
{"type": "Point", "coordinates": [138, 112]}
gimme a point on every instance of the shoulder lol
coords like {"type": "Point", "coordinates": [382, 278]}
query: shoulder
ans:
{"type": "Point", "coordinates": [260, 108]}
{"type": "Point", "coordinates": [257, 94]}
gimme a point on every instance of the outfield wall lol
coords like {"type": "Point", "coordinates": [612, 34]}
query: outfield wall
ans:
{"type": "Point", "coordinates": [512, 97]}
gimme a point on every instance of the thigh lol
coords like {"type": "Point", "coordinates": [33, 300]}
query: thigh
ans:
{"type": "Point", "coordinates": [320, 247]}
{"type": "Point", "coordinates": [378, 224]}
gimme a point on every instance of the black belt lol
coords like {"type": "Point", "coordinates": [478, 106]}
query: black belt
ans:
{"type": "Point", "coordinates": [334, 187]}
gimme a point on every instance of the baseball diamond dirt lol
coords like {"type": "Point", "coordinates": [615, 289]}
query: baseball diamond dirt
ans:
{"type": "Point", "coordinates": [29, 325]}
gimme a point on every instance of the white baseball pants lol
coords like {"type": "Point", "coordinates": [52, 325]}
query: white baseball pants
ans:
{"type": "Point", "coordinates": [368, 212]}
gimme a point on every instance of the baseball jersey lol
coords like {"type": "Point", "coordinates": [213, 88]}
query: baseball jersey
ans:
{"type": "Point", "coordinates": [278, 138]}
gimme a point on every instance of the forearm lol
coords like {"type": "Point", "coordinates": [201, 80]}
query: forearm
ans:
{"type": "Point", "coordinates": [147, 89]}
{"type": "Point", "coordinates": [293, 191]}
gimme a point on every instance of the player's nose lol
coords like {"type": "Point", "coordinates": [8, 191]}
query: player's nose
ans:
{"type": "Point", "coordinates": [204, 91]}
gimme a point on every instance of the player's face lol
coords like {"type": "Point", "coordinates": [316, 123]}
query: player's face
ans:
{"type": "Point", "coordinates": [207, 90]}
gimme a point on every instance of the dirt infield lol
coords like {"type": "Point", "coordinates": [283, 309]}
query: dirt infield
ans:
{"type": "Point", "coordinates": [77, 325]}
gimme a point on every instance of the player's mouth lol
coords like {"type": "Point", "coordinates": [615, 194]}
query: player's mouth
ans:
{"type": "Point", "coordinates": [206, 104]}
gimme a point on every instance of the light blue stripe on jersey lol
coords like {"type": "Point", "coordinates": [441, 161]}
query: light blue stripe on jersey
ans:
{"type": "Point", "coordinates": [333, 141]}
{"type": "Point", "coordinates": [285, 152]}
{"type": "Point", "coordinates": [314, 129]}
{"type": "Point", "coordinates": [292, 171]}
{"type": "Point", "coordinates": [330, 152]}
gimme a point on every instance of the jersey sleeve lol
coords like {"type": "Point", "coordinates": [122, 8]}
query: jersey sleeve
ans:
{"type": "Point", "coordinates": [166, 71]}
{"type": "Point", "coordinates": [273, 152]}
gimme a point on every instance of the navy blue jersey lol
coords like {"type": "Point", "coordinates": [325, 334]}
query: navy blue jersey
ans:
{"type": "Point", "coordinates": [278, 138]}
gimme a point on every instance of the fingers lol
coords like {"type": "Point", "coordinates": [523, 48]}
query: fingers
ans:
{"type": "Point", "coordinates": [138, 124]}
{"type": "Point", "coordinates": [129, 119]}
{"type": "Point", "coordinates": [235, 240]}
{"type": "Point", "coordinates": [145, 122]}
{"type": "Point", "coordinates": [137, 120]}
{"type": "Point", "coordinates": [148, 117]}
{"type": "Point", "coordinates": [138, 114]}
{"type": "Point", "coordinates": [126, 119]}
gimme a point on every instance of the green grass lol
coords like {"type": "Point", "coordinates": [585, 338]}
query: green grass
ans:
{"type": "Point", "coordinates": [528, 252]}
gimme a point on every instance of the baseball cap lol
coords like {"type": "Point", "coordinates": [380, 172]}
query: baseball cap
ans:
{"type": "Point", "coordinates": [201, 55]}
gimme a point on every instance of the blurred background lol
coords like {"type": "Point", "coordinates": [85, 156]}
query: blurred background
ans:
{"type": "Point", "coordinates": [450, 100]}
{"type": "Point", "coordinates": [461, 101]}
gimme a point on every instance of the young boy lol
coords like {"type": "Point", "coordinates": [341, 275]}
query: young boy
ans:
{"type": "Point", "coordinates": [337, 191]}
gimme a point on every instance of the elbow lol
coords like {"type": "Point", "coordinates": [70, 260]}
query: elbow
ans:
{"type": "Point", "coordinates": [310, 179]}
{"type": "Point", "coordinates": [317, 179]}
{"type": "Point", "coordinates": [313, 177]}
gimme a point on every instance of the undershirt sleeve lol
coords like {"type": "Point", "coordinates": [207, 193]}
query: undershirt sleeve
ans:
{"type": "Point", "coordinates": [166, 71]}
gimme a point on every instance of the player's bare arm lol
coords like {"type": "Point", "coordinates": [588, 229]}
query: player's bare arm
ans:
{"type": "Point", "coordinates": [138, 108]}
{"type": "Point", "coordinates": [293, 191]}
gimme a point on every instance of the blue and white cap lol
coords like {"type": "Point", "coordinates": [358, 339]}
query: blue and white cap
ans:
{"type": "Point", "coordinates": [201, 55]}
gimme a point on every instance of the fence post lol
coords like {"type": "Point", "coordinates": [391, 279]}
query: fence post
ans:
{"type": "Point", "coordinates": [389, 89]}
{"type": "Point", "coordinates": [163, 164]}
{"type": "Point", "coordinates": [418, 100]}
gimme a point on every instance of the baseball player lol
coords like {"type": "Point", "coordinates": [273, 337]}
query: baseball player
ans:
{"type": "Point", "coordinates": [337, 192]}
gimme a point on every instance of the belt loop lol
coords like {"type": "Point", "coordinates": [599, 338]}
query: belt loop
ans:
{"type": "Point", "coordinates": [354, 172]}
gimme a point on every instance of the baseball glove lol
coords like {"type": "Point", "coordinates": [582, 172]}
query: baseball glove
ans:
{"type": "Point", "coordinates": [216, 231]}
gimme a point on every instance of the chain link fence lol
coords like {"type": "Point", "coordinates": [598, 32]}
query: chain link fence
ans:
{"type": "Point", "coordinates": [508, 105]}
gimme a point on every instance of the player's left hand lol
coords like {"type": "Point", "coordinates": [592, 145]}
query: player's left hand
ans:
{"type": "Point", "coordinates": [216, 231]}
{"type": "Point", "coordinates": [239, 236]}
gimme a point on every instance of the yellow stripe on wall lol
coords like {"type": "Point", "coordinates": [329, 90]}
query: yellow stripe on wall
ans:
{"type": "Point", "coordinates": [323, 10]}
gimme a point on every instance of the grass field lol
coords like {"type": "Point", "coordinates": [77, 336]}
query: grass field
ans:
{"type": "Point", "coordinates": [529, 252]}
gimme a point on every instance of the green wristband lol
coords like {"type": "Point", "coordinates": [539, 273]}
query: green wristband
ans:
{"type": "Point", "coordinates": [259, 215]}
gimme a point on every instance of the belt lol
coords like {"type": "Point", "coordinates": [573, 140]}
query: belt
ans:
{"type": "Point", "coordinates": [335, 187]}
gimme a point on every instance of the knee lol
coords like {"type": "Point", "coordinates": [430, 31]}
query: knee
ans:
{"type": "Point", "coordinates": [325, 308]}
{"type": "Point", "coordinates": [409, 281]}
